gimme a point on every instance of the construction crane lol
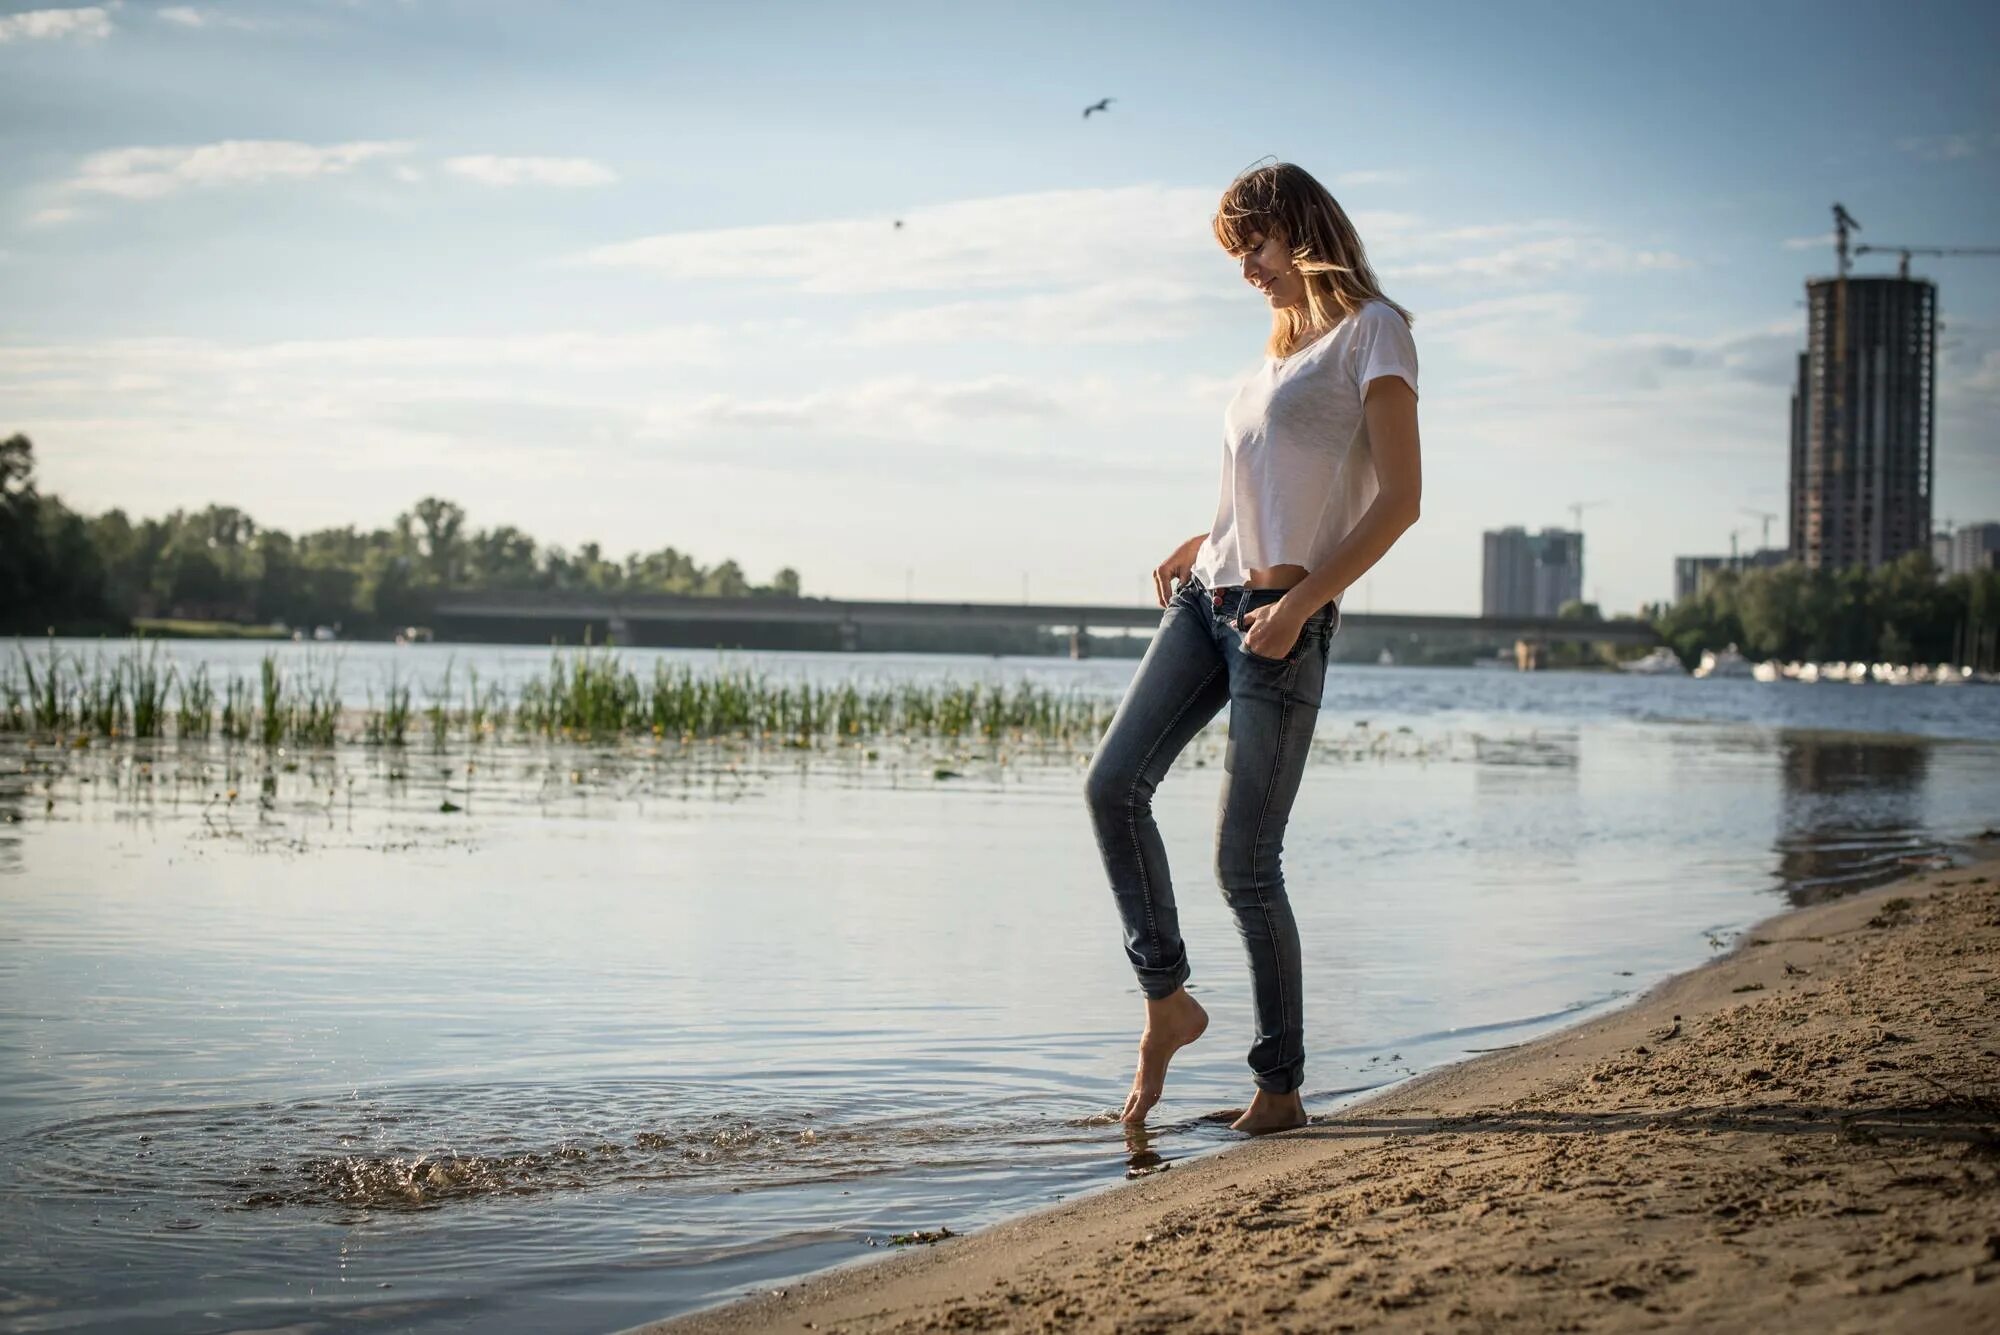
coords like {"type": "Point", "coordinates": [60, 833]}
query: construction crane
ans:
{"type": "Point", "coordinates": [1764, 515]}
{"type": "Point", "coordinates": [1904, 253]}
{"type": "Point", "coordinates": [1576, 509]}
{"type": "Point", "coordinates": [1843, 222]}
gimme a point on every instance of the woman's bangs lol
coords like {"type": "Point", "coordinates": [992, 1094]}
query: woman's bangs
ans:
{"type": "Point", "coordinates": [1236, 225]}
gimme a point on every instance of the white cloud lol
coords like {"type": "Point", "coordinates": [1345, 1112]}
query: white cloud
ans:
{"type": "Point", "coordinates": [1060, 237]}
{"type": "Point", "coordinates": [1949, 147]}
{"type": "Point", "coordinates": [1536, 347]}
{"type": "Point", "coordinates": [890, 406]}
{"type": "Point", "coordinates": [85, 24]}
{"type": "Point", "coordinates": [1570, 249]}
{"type": "Point", "coordinates": [1084, 239]}
{"type": "Point", "coordinates": [50, 217]}
{"type": "Point", "coordinates": [1825, 239]}
{"type": "Point", "coordinates": [387, 358]}
{"type": "Point", "coordinates": [1138, 310]}
{"type": "Point", "coordinates": [488, 169]}
{"type": "Point", "coordinates": [151, 172]}
{"type": "Point", "coordinates": [196, 16]}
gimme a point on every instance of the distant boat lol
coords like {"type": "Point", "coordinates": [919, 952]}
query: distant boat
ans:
{"type": "Point", "coordinates": [324, 633]}
{"type": "Point", "coordinates": [1660, 662]}
{"type": "Point", "coordinates": [1728, 663]}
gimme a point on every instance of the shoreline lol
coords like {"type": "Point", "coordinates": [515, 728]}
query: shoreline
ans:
{"type": "Point", "coordinates": [1802, 1132]}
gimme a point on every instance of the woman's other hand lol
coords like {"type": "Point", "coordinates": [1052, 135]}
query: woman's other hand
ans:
{"type": "Point", "coordinates": [1178, 566]}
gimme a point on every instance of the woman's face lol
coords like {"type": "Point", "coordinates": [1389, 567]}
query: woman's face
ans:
{"type": "Point", "coordinates": [1268, 267]}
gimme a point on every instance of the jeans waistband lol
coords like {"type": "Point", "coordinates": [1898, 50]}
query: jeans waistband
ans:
{"type": "Point", "coordinates": [1239, 594]}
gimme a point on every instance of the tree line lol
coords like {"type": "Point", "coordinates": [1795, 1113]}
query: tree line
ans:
{"type": "Point", "coordinates": [96, 574]}
{"type": "Point", "coordinates": [90, 575]}
{"type": "Point", "coordinates": [1900, 612]}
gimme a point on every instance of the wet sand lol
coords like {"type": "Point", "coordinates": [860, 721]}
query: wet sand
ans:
{"type": "Point", "coordinates": [1803, 1134]}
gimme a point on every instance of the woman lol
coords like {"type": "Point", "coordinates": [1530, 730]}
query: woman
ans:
{"type": "Point", "coordinates": [1319, 479]}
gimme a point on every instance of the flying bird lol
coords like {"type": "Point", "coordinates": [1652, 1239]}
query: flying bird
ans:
{"type": "Point", "coordinates": [899, 222]}
{"type": "Point", "coordinates": [1105, 105]}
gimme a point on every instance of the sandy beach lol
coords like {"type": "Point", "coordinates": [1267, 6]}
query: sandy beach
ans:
{"type": "Point", "coordinates": [1803, 1134]}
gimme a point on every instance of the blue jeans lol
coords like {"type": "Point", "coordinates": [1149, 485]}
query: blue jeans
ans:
{"type": "Point", "coordinates": [1195, 665]}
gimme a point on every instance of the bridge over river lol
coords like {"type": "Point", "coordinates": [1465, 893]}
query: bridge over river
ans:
{"type": "Point", "coordinates": [844, 623]}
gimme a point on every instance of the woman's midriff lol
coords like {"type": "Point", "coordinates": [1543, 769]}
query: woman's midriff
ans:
{"type": "Point", "coordinates": [1276, 577]}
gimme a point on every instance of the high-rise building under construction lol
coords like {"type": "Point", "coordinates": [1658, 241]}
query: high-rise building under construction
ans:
{"type": "Point", "coordinates": [1862, 422]}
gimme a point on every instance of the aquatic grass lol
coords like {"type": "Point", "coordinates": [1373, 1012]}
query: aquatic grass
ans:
{"type": "Point", "coordinates": [149, 684]}
{"type": "Point", "coordinates": [314, 710]}
{"type": "Point", "coordinates": [582, 694]}
{"type": "Point", "coordinates": [238, 714]}
{"type": "Point", "coordinates": [47, 703]}
{"type": "Point", "coordinates": [485, 711]}
{"type": "Point", "coordinates": [438, 712]}
{"type": "Point", "coordinates": [275, 715]}
{"type": "Point", "coordinates": [194, 714]}
{"type": "Point", "coordinates": [100, 698]}
{"type": "Point", "coordinates": [110, 697]}
{"type": "Point", "coordinates": [389, 726]}
{"type": "Point", "coordinates": [589, 694]}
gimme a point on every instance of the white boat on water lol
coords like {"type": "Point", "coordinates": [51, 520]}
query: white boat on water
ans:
{"type": "Point", "coordinates": [1660, 661]}
{"type": "Point", "coordinates": [1728, 663]}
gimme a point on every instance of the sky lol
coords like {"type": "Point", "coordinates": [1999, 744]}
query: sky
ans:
{"type": "Point", "coordinates": [629, 272]}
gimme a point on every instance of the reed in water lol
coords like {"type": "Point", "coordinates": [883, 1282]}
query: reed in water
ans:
{"type": "Point", "coordinates": [587, 693]}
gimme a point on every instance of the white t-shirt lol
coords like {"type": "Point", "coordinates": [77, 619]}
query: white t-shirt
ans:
{"type": "Point", "coordinates": [1297, 470]}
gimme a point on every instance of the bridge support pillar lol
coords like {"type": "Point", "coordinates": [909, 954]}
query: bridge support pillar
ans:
{"type": "Point", "coordinates": [617, 630]}
{"type": "Point", "coordinates": [1530, 655]}
{"type": "Point", "coordinates": [850, 637]}
{"type": "Point", "coordinates": [1079, 643]}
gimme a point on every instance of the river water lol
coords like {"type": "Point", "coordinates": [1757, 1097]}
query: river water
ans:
{"type": "Point", "coordinates": [528, 1037]}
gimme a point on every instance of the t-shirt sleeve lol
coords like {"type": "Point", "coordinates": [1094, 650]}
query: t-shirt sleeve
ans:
{"type": "Point", "coordinates": [1383, 346]}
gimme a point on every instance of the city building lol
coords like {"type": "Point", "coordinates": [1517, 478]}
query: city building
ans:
{"type": "Point", "coordinates": [1690, 571]}
{"type": "Point", "coordinates": [1531, 574]}
{"type": "Point", "coordinates": [1862, 465]}
{"type": "Point", "coordinates": [1973, 547]}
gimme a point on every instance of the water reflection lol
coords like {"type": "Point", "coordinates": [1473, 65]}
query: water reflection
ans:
{"type": "Point", "coordinates": [566, 1035]}
{"type": "Point", "coordinates": [13, 803]}
{"type": "Point", "coordinates": [1853, 813]}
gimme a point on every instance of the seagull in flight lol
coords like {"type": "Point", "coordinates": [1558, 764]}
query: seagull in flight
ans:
{"type": "Point", "coordinates": [1104, 105]}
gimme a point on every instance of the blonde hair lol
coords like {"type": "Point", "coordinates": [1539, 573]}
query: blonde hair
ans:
{"type": "Point", "coordinates": [1286, 200]}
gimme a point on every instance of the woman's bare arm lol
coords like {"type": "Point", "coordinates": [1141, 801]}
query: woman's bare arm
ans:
{"type": "Point", "coordinates": [1390, 407]}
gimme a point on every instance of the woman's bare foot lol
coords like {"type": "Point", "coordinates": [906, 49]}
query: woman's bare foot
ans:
{"type": "Point", "coordinates": [1271, 1112]}
{"type": "Point", "coordinates": [1172, 1023]}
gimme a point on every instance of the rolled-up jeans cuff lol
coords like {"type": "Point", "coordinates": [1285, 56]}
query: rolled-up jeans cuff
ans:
{"type": "Point", "coordinates": [1158, 984]}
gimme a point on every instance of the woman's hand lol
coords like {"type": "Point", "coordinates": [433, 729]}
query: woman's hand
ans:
{"type": "Point", "coordinates": [1179, 565]}
{"type": "Point", "coordinates": [1270, 631]}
